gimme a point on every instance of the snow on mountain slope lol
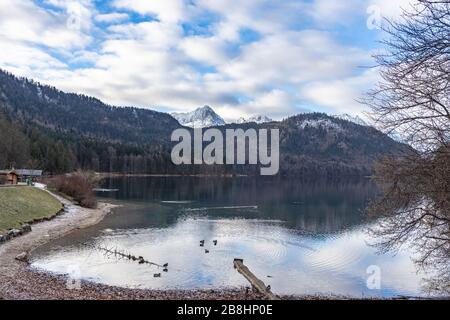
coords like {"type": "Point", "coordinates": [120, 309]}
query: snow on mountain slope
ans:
{"type": "Point", "coordinates": [358, 120]}
{"type": "Point", "coordinates": [325, 123]}
{"type": "Point", "coordinates": [258, 119]}
{"type": "Point", "coordinates": [354, 119]}
{"type": "Point", "coordinates": [200, 118]}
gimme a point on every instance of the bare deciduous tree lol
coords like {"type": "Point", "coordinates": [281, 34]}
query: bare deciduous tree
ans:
{"type": "Point", "coordinates": [413, 96]}
{"type": "Point", "coordinates": [413, 100]}
{"type": "Point", "coordinates": [415, 210]}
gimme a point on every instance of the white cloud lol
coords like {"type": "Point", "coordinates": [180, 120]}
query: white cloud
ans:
{"type": "Point", "coordinates": [152, 34]}
{"type": "Point", "coordinates": [393, 9]}
{"type": "Point", "coordinates": [172, 11]}
{"type": "Point", "coordinates": [276, 104]}
{"type": "Point", "coordinates": [25, 60]}
{"type": "Point", "coordinates": [111, 17]}
{"type": "Point", "coordinates": [341, 96]}
{"type": "Point", "coordinates": [329, 12]}
{"type": "Point", "coordinates": [292, 59]}
{"type": "Point", "coordinates": [25, 21]}
{"type": "Point", "coordinates": [154, 63]}
{"type": "Point", "coordinates": [335, 11]}
{"type": "Point", "coordinates": [210, 50]}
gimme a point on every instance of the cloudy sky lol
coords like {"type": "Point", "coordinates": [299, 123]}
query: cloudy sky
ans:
{"type": "Point", "coordinates": [242, 57]}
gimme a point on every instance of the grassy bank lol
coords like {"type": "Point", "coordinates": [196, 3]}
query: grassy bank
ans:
{"type": "Point", "coordinates": [19, 205]}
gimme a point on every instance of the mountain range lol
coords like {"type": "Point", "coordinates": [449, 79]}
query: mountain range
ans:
{"type": "Point", "coordinates": [205, 117]}
{"type": "Point", "coordinates": [200, 118]}
{"type": "Point", "coordinates": [43, 127]}
{"type": "Point", "coordinates": [259, 119]}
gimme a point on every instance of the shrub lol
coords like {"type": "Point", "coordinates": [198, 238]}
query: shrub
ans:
{"type": "Point", "coordinates": [79, 186]}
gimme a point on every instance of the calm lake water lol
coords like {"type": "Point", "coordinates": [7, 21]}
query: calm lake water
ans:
{"type": "Point", "coordinates": [301, 238]}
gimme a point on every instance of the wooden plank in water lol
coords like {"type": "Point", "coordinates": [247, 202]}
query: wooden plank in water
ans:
{"type": "Point", "coordinates": [254, 281]}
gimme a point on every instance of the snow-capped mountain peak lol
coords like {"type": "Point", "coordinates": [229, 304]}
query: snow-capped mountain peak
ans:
{"type": "Point", "coordinates": [200, 118]}
{"type": "Point", "coordinates": [257, 119]}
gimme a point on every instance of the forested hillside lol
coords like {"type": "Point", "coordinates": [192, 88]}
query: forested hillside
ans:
{"type": "Point", "coordinates": [42, 127]}
{"type": "Point", "coordinates": [66, 131]}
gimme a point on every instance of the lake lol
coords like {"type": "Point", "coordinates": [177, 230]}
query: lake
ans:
{"type": "Point", "coordinates": [299, 237]}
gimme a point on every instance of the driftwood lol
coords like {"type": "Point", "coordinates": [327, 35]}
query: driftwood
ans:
{"type": "Point", "coordinates": [256, 283]}
{"type": "Point", "coordinates": [125, 255]}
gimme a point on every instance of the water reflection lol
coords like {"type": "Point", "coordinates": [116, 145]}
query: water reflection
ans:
{"type": "Point", "coordinates": [318, 206]}
{"type": "Point", "coordinates": [302, 238]}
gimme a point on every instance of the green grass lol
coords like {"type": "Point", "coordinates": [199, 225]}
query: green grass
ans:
{"type": "Point", "coordinates": [19, 205]}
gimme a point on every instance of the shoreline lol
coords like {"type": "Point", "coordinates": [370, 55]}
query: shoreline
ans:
{"type": "Point", "coordinates": [168, 175]}
{"type": "Point", "coordinates": [19, 281]}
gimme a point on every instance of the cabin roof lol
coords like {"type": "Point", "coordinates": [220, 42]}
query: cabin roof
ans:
{"type": "Point", "coordinates": [22, 172]}
{"type": "Point", "coordinates": [4, 172]}
{"type": "Point", "coordinates": [28, 172]}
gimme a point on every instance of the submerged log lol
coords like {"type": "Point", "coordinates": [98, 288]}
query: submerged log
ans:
{"type": "Point", "coordinates": [122, 254]}
{"type": "Point", "coordinates": [256, 283]}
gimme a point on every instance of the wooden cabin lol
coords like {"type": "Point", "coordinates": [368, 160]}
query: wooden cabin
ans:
{"type": "Point", "coordinates": [10, 177]}
{"type": "Point", "coordinates": [28, 174]}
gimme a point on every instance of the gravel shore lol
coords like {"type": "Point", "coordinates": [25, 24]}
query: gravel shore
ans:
{"type": "Point", "coordinates": [19, 281]}
{"type": "Point", "coordinates": [31, 284]}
